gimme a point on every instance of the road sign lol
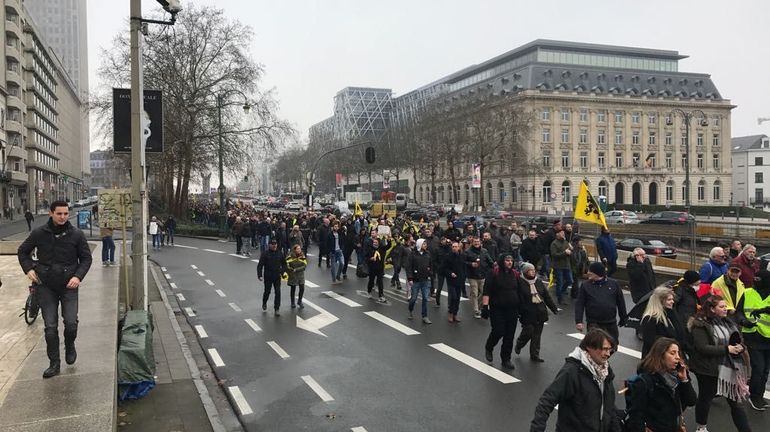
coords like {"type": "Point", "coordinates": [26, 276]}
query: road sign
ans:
{"type": "Point", "coordinates": [115, 208]}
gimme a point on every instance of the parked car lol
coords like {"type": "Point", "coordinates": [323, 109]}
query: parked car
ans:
{"type": "Point", "coordinates": [498, 214]}
{"type": "Point", "coordinates": [669, 218]}
{"type": "Point", "coordinates": [540, 223]}
{"type": "Point", "coordinates": [621, 217]}
{"type": "Point", "coordinates": [295, 206]}
{"type": "Point", "coordinates": [651, 247]}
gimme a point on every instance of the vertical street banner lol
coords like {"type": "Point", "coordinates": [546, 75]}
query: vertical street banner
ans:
{"type": "Point", "coordinates": [338, 179]}
{"type": "Point", "coordinates": [587, 208]}
{"type": "Point", "coordinates": [476, 175]}
{"type": "Point", "coordinates": [115, 208]}
{"type": "Point", "coordinates": [152, 120]}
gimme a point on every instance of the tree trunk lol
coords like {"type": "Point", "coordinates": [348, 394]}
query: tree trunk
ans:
{"type": "Point", "coordinates": [452, 182]}
{"type": "Point", "coordinates": [481, 185]}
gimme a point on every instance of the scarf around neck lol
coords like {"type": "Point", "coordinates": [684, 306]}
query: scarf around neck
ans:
{"type": "Point", "coordinates": [536, 299]}
{"type": "Point", "coordinates": [733, 373]}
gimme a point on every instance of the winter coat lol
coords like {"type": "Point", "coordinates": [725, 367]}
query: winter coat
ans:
{"type": "Point", "coordinates": [685, 301]}
{"type": "Point", "coordinates": [602, 301]}
{"type": "Point", "coordinates": [711, 271]}
{"type": "Point", "coordinates": [419, 266]}
{"type": "Point", "coordinates": [606, 248]}
{"type": "Point", "coordinates": [491, 247]}
{"type": "Point", "coordinates": [454, 263]}
{"type": "Point", "coordinates": [707, 354]}
{"type": "Point", "coordinates": [482, 256]}
{"type": "Point", "coordinates": [329, 245]}
{"type": "Point", "coordinates": [273, 264]}
{"type": "Point", "coordinates": [641, 277]}
{"type": "Point", "coordinates": [245, 229]}
{"type": "Point", "coordinates": [295, 238]}
{"type": "Point", "coordinates": [654, 404]}
{"type": "Point", "coordinates": [62, 252]}
{"type": "Point", "coordinates": [579, 261]}
{"type": "Point", "coordinates": [442, 253]}
{"type": "Point", "coordinates": [652, 329]}
{"type": "Point", "coordinates": [544, 241]}
{"type": "Point", "coordinates": [559, 258]}
{"type": "Point", "coordinates": [296, 270]}
{"type": "Point", "coordinates": [748, 269]}
{"type": "Point", "coordinates": [502, 288]}
{"type": "Point", "coordinates": [529, 251]}
{"type": "Point", "coordinates": [533, 313]}
{"type": "Point", "coordinates": [375, 258]}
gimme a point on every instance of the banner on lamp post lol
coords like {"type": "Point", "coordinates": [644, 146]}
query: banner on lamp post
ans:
{"type": "Point", "coordinates": [476, 176]}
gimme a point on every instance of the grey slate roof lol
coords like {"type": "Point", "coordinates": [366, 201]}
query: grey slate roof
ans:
{"type": "Point", "coordinates": [746, 143]}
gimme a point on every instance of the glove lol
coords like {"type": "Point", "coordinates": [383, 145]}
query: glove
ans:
{"type": "Point", "coordinates": [485, 311]}
{"type": "Point", "coordinates": [748, 324]}
{"type": "Point", "coordinates": [757, 312]}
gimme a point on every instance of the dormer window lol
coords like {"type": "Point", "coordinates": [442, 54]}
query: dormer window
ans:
{"type": "Point", "coordinates": [765, 143]}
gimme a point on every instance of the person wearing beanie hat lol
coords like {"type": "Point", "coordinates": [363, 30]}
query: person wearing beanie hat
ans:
{"type": "Point", "coordinates": [535, 302]}
{"type": "Point", "coordinates": [755, 308]}
{"type": "Point", "coordinates": [601, 300]}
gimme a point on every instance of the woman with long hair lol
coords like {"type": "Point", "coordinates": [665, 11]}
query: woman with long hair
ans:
{"type": "Point", "coordinates": [296, 263]}
{"type": "Point", "coordinates": [719, 361]}
{"type": "Point", "coordinates": [661, 392]}
{"type": "Point", "coordinates": [660, 320]}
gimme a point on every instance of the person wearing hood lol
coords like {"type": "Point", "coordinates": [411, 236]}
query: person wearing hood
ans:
{"type": "Point", "coordinates": [500, 304]}
{"type": "Point", "coordinates": [582, 389]}
{"type": "Point", "coordinates": [755, 307]}
{"type": "Point", "coordinates": [641, 277]}
{"type": "Point", "coordinates": [601, 299]}
{"type": "Point", "coordinates": [63, 259]}
{"type": "Point", "coordinates": [478, 264]}
{"type": "Point", "coordinates": [418, 273]}
{"type": "Point", "coordinates": [535, 302]}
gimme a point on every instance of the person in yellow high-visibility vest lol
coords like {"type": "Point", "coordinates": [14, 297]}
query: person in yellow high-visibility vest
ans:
{"type": "Point", "coordinates": [755, 308]}
{"type": "Point", "coordinates": [729, 287]}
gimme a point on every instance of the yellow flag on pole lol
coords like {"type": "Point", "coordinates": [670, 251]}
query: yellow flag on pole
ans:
{"type": "Point", "coordinates": [358, 211]}
{"type": "Point", "coordinates": [587, 208]}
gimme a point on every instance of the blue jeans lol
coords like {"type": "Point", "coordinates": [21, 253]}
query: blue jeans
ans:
{"type": "Point", "coordinates": [170, 235]}
{"type": "Point", "coordinates": [156, 241]}
{"type": "Point", "coordinates": [563, 279]}
{"type": "Point", "coordinates": [337, 263]}
{"type": "Point", "coordinates": [263, 239]}
{"type": "Point", "coordinates": [422, 287]}
{"type": "Point", "coordinates": [108, 249]}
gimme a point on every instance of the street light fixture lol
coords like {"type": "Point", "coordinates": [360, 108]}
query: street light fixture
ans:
{"type": "Point", "coordinates": [220, 154]}
{"type": "Point", "coordinates": [686, 118]}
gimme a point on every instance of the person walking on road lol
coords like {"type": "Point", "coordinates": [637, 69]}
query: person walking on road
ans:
{"type": "Point", "coordinates": [442, 252]}
{"type": "Point", "coordinates": [601, 300]}
{"type": "Point", "coordinates": [479, 263]}
{"type": "Point", "coordinates": [296, 263]}
{"type": "Point", "coordinates": [560, 252]}
{"type": "Point", "coordinates": [273, 264]}
{"type": "Point", "coordinates": [454, 273]}
{"type": "Point", "coordinates": [29, 218]}
{"type": "Point", "coordinates": [641, 277]}
{"type": "Point", "coordinates": [375, 258]}
{"type": "Point", "coordinates": [418, 273]}
{"type": "Point", "coordinates": [333, 249]}
{"type": "Point", "coordinates": [108, 246]}
{"type": "Point", "coordinates": [501, 306]}
{"type": "Point", "coordinates": [608, 251]}
{"type": "Point", "coordinates": [748, 263]}
{"type": "Point", "coordinates": [730, 288]}
{"type": "Point", "coordinates": [529, 251]}
{"type": "Point", "coordinates": [582, 389]}
{"type": "Point", "coordinates": [170, 228]}
{"type": "Point", "coordinates": [660, 320]}
{"type": "Point", "coordinates": [686, 300]}
{"type": "Point", "coordinates": [323, 239]}
{"type": "Point", "coordinates": [755, 307]}
{"type": "Point", "coordinates": [535, 302]}
{"type": "Point", "coordinates": [63, 260]}
{"type": "Point", "coordinates": [715, 267]}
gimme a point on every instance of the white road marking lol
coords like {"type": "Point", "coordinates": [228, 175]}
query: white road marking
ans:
{"type": "Point", "coordinates": [221, 293]}
{"type": "Point", "coordinates": [214, 250]}
{"type": "Point", "coordinates": [622, 349]}
{"type": "Point", "coordinates": [186, 247]}
{"type": "Point", "coordinates": [394, 297]}
{"type": "Point", "coordinates": [767, 395]}
{"type": "Point", "coordinates": [392, 323]}
{"type": "Point", "coordinates": [311, 284]}
{"type": "Point", "coordinates": [475, 364]}
{"type": "Point", "coordinates": [243, 406]}
{"type": "Point", "coordinates": [173, 285]}
{"type": "Point", "coordinates": [253, 325]}
{"type": "Point", "coordinates": [201, 331]}
{"type": "Point", "coordinates": [309, 254]}
{"type": "Point", "coordinates": [168, 276]}
{"type": "Point", "coordinates": [163, 269]}
{"type": "Point", "coordinates": [326, 397]}
{"type": "Point", "coordinates": [358, 429]}
{"type": "Point", "coordinates": [341, 299]}
{"type": "Point", "coordinates": [215, 357]}
{"type": "Point", "coordinates": [238, 256]}
{"type": "Point", "coordinates": [194, 267]}
{"type": "Point", "coordinates": [255, 260]}
{"type": "Point", "coordinates": [278, 350]}
{"type": "Point", "coordinates": [189, 311]}
{"type": "Point", "coordinates": [180, 296]}
{"type": "Point", "coordinates": [208, 281]}
{"type": "Point", "coordinates": [235, 307]}
{"type": "Point", "coordinates": [201, 274]}
{"type": "Point", "coordinates": [222, 241]}
{"type": "Point", "coordinates": [317, 322]}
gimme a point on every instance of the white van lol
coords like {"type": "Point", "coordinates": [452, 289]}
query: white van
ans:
{"type": "Point", "coordinates": [401, 200]}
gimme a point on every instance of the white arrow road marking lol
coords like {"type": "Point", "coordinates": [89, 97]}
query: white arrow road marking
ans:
{"type": "Point", "coordinates": [475, 364]}
{"type": "Point", "coordinates": [341, 299]}
{"type": "Point", "coordinates": [221, 293]}
{"type": "Point", "coordinates": [186, 247]}
{"type": "Point", "coordinates": [278, 350]}
{"type": "Point", "coordinates": [317, 322]}
{"type": "Point", "coordinates": [624, 350]}
{"type": "Point", "coordinates": [215, 357]}
{"type": "Point", "coordinates": [201, 331]}
{"type": "Point", "coordinates": [243, 406]}
{"type": "Point", "coordinates": [201, 274]}
{"type": "Point", "coordinates": [311, 284]}
{"type": "Point", "coordinates": [326, 397]}
{"type": "Point", "coordinates": [208, 281]}
{"type": "Point", "coordinates": [235, 307]}
{"type": "Point", "coordinates": [180, 296]}
{"type": "Point", "coordinates": [173, 285]}
{"type": "Point", "coordinates": [194, 267]}
{"type": "Point", "coordinates": [214, 250]}
{"type": "Point", "coordinates": [163, 269]}
{"type": "Point", "coordinates": [253, 325]}
{"type": "Point", "coordinates": [189, 311]}
{"type": "Point", "coordinates": [392, 323]}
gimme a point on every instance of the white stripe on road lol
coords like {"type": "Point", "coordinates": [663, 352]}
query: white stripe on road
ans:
{"type": "Point", "coordinates": [189, 311]}
{"type": "Point", "coordinates": [163, 269]}
{"type": "Point", "coordinates": [243, 406]}
{"type": "Point", "coordinates": [180, 296]}
{"type": "Point", "coordinates": [238, 256]}
{"type": "Point", "coordinates": [173, 285]}
{"type": "Point", "coordinates": [311, 284]}
{"type": "Point", "coordinates": [208, 281]}
{"type": "Point", "coordinates": [222, 241]}
{"type": "Point", "coordinates": [253, 325]}
{"type": "Point", "coordinates": [278, 350]}
{"type": "Point", "coordinates": [186, 247]}
{"type": "Point", "coordinates": [622, 349]}
{"type": "Point", "coordinates": [214, 250]}
{"type": "Point", "coordinates": [255, 260]}
{"type": "Point", "coordinates": [767, 395]}
{"type": "Point", "coordinates": [201, 331]}
{"type": "Point", "coordinates": [194, 267]}
{"type": "Point", "coordinates": [216, 358]}
{"type": "Point", "coordinates": [475, 364]}
{"type": "Point", "coordinates": [201, 274]}
{"type": "Point", "coordinates": [394, 297]}
{"type": "Point", "coordinates": [309, 254]}
{"type": "Point", "coordinates": [326, 397]}
{"type": "Point", "coordinates": [168, 276]}
{"type": "Point", "coordinates": [235, 307]}
{"type": "Point", "coordinates": [221, 293]}
{"type": "Point", "coordinates": [341, 299]}
{"type": "Point", "coordinates": [358, 429]}
{"type": "Point", "coordinates": [392, 323]}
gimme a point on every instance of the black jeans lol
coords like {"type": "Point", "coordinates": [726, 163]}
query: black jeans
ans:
{"type": "Point", "coordinates": [346, 253]}
{"type": "Point", "coordinates": [375, 276]}
{"type": "Point", "coordinates": [530, 333]}
{"type": "Point", "coordinates": [301, 293]}
{"type": "Point", "coordinates": [760, 367]}
{"type": "Point", "coordinates": [269, 285]}
{"type": "Point", "coordinates": [707, 389]}
{"type": "Point", "coordinates": [454, 289]}
{"type": "Point", "coordinates": [503, 322]}
{"type": "Point", "coordinates": [49, 299]}
{"type": "Point", "coordinates": [440, 278]}
{"type": "Point", "coordinates": [238, 244]}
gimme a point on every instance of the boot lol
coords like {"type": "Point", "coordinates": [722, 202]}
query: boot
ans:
{"type": "Point", "coordinates": [53, 369]}
{"type": "Point", "coordinates": [508, 365]}
{"type": "Point", "coordinates": [70, 355]}
{"type": "Point", "coordinates": [451, 318]}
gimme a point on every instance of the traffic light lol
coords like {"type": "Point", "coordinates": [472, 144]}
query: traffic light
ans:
{"type": "Point", "coordinates": [370, 157]}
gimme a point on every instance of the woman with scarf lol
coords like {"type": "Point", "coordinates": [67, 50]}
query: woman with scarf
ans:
{"type": "Point", "coordinates": [719, 361]}
{"type": "Point", "coordinates": [535, 302]}
{"type": "Point", "coordinates": [662, 391]}
{"type": "Point", "coordinates": [296, 263]}
{"type": "Point", "coordinates": [660, 320]}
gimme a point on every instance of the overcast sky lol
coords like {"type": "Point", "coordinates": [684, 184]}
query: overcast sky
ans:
{"type": "Point", "coordinates": [312, 49]}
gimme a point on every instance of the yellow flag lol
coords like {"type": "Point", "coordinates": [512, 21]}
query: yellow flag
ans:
{"type": "Point", "coordinates": [587, 208]}
{"type": "Point", "coordinates": [358, 211]}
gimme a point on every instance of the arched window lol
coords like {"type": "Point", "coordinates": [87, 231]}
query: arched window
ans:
{"type": "Point", "coordinates": [603, 188]}
{"type": "Point", "coordinates": [653, 193]}
{"type": "Point", "coordinates": [546, 191]}
{"type": "Point", "coordinates": [566, 196]}
{"type": "Point", "coordinates": [514, 192]}
{"type": "Point", "coordinates": [669, 191]}
{"type": "Point", "coordinates": [717, 191]}
{"type": "Point", "coordinates": [702, 190]}
{"type": "Point", "coordinates": [501, 191]}
{"type": "Point", "coordinates": [620, 190]}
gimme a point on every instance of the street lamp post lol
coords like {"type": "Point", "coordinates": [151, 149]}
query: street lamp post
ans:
{"type": "Point", "coordinates": [686, 117]}
{"type": "Point", "coordinates": [221, 188]}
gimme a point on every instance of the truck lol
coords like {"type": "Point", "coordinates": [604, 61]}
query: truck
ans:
{"type": "Point", "coordinates": [364, 199]}
{"type": "Point", "coordinates": [383, 208]}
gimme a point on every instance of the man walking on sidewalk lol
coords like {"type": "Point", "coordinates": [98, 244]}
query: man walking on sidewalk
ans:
{"type": "Point", "coordinates": [63, 259]}
{"type": "Point", "coordinates": [29, 217]}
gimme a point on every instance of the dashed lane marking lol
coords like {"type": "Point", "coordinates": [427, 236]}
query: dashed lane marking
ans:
{"type": "Point", "coordinates": [622, 349]}
{"type": "Point", "coordinates": [222, 241]}
{"type": "Point", "coordinates": [358, 429]}
{"type": "Point", "coordinates": [253, 325]}
{"type": "Point", "coordinates": [311, 284]}
{"type": "Point", "coordinates": [189, 311]}
{"type": "Point", "coordinates": [168, 276]}
{"type": "Point", "coordinates": [208, 281]}
{"type": "Point", "coordinates": [214, 250]}
{"type": "Point", "coordinates": [194, 267]}
{"type": "Point", "coordinates": [235, 307]}
{"type": "Point", "coordinates": [278, 350]}
{"type": "Point", "coordinates": [475, 364]}
{"type": "Point", "coordinates": [392, 323]}
{"type": "Point", "coordinates": [163, 269]}
{"type": "Point", "coordinates": [186, 247]}
{"type": "Point", "coordinates": [240, 401]}
{"type": "Point", "coordinates": [201, 331]}
{"type": "Point", "coordinates": [180, 296]}
{"type": "Point", "coordinates": [255, 260]}
{"type": "Point", "coordinates": [323, 394]}
{"type": "Point", "coordinates": [221, 293]}
{"type": "Point", "coordinates": [215, 357]}
{"type": "Point", "coordinates": [201, 274]}
{"type": "Point", "coordinates": [173, 285]}
{"type": "Point", "coordinates": [341, 299]}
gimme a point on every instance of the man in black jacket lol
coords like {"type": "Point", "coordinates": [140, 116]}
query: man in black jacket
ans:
{"type": "Point", "coordinates": [529, 251]}
{"type": "Point", "coordinates": [479, 264]}
{"type": "Point", "coordinates": [601, 299]}
{"type": "Point", "coordinates": [641, 277]}
{"type": "Point", "coordinates": [582, 389]}
{"type": "Point", "coordinates": [418, 273]}
{"type": "Point", "coordinates": [63, 259]}
{"type": "Point", "coordinates": [444, 249]}
{"type": "Point", "coordinates": [501, 304]}
{"type": "Point", "coordinates": [273, 263]}
{"type": "Point", "coordinates": [453, 267]}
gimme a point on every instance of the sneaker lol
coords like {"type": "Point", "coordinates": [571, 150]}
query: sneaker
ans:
{"type": "Point", "coordinates": [477, 315]}
{"type": "Point", "coordinates": [537, 359]}
{"type": "Point", "coordinates": [105, 264]}
{"type": "Point", "coordinates": [758, 404]}
{"type": "Point", "coordinates": [277, 313]}
{"type": "Point", "coordinates": [369, 296]}
{"type": "Point", "coordinates": [300, 305]}
{"type": "Point", "coordinates": [293, 306]}
{"type": "Point", "coordinates": [344, 276]}
{"type": "Point", "coordinates": [411, 315]}
{"type": "Point", "coordinates": [426, 320]}
{"type": "Point", "coordinates": [382, 300]}
{"type": "Point", "coordinates": [701, 429]}
{"type": "Point", "coordinates": [112, 263]}
{"type": "Point", "coordinates": [264, 307]}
